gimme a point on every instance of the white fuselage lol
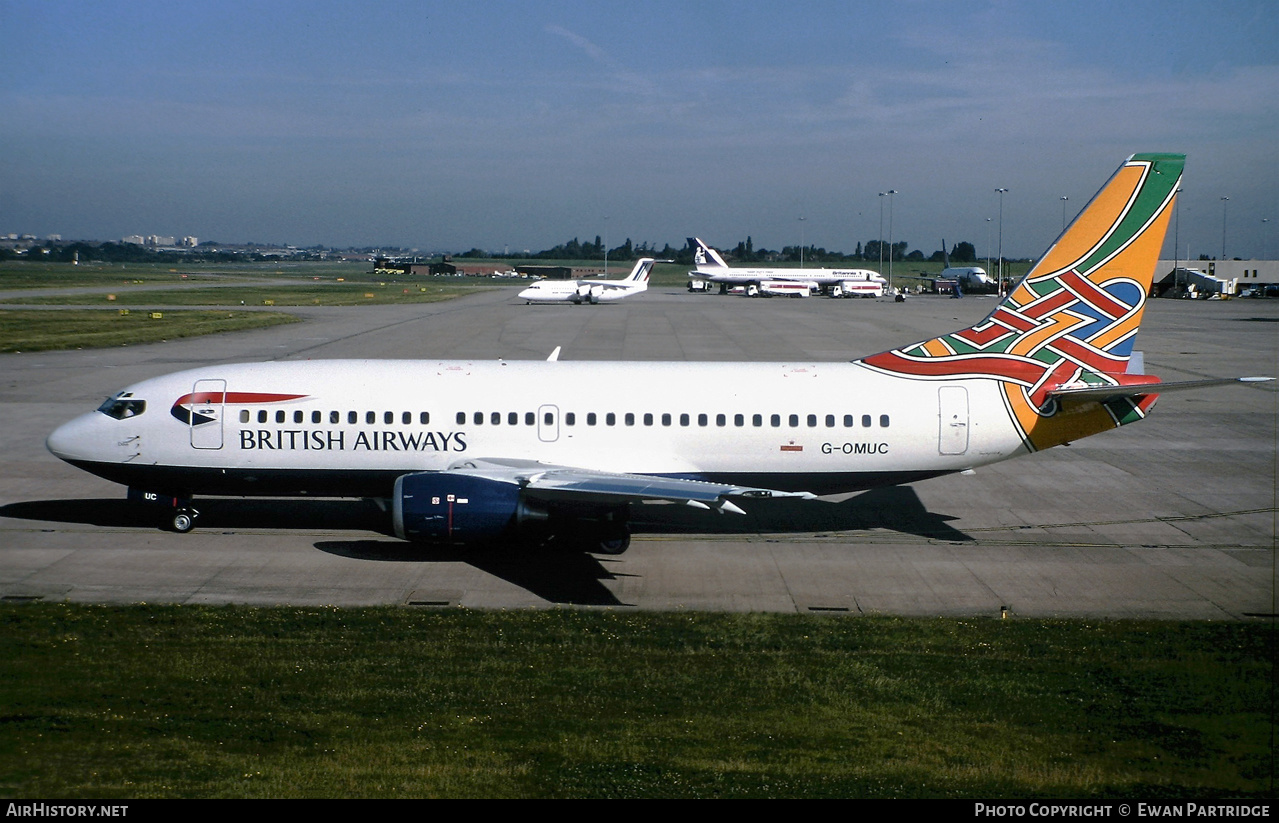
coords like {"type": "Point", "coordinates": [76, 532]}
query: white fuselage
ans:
{"type": "Point", "coordinates": [350, 427]}
{"type": "Point", "coordinates": [573, 291]}
{"type": "Point", "coordinates": [823, 278]}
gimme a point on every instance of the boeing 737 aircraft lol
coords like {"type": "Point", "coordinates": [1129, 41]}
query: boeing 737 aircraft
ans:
{"type": "Point", "coordinates": [590, 290]}
{"type": "Point", "coordinates": [712, 268]}
{"type": "Point", "coordinates": [469, 451]}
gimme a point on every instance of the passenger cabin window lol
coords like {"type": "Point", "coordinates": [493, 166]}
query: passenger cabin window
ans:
{"type": "Point", "coordinates": [610, 419]}
{"type": "Point", "coordinates": [865, 421]}
{"type": "Point", "coordinates": [335, 417]}
{"type": "Point", "coordinates": [629, 419]}
{"type": "Point", "coordinates": [316, 417]}
{"type": "Point", "coordinates": [775, 420]}
{"type": "Point", "coordinates": [648, 418]}
{"type": "Point", "coordinates": [757, 419]}
{"type": "Point", "coordinates": [244, 415]}
{"type": "Point", "coordinates": [261, 415]}
{"type": "Point", "coordinates": [297, 416]}
{"type": "Point", "coordinates": [530, 419]}
{"type": "Point", "coordinates": [279, 416]}
{"type": "Point", "coordinates": [407, 418]}
{"type": "Point", "coordinates": [352, 417]}
{"type": "Point", "coordinates": [370, 417]}
{"type": "Point", "coordinates": [570, 419]}
{"type": "Point", "coordinates": [496, 418]}
{"type": "Point", "coordinates": [590, 418]}
{"type": "Point", "coordinates": [883, 421]}
{"type": "Point", "coordinates": [424, 418]}
{"type": "Point", "coordinates": [512, 418]}
{"type": "Point", "coordinates": [461, 418]}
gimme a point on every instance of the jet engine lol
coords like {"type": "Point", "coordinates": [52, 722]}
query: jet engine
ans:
{"type": "Point", "coordinates": [444, 507]}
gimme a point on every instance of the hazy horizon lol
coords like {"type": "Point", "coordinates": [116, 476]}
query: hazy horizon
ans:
{"type": "Point", "coordinates": [515, 125]}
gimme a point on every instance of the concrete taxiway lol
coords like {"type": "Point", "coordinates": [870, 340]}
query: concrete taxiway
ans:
{"type": "Point", "coordinates": [1172, 517]}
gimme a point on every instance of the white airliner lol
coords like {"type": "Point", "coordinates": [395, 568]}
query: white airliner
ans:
{"type": "Point", "coordinates": [837, 282]}
{"type": "Point", "coordinates": [590, 290]}
{"type": "Point", "coordinates": [478, 451]}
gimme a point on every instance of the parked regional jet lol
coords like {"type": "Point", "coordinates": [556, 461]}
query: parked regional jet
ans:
{"type": "Point", "coordinates": [590, 290]}
{"type": "Point", "coordinates": [712, 268]}
{"type": "Point", "coordinates": [468, 451]}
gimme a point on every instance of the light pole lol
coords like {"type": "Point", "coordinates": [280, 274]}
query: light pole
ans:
{"type": "Point", "coordinates": [1224, 202]}
{"type": "Point", "coordinates": [1265, 239]}
{"type": "Point", "coordinates": [606, 245]}
{"type": "Point", "coordinates": [1176, 238]}
{"type": "Point", "coordinates": [891, 192]}
{"type": "Point", "coordinates": [988, 221]}
{"type": "Point", "coordinates": [801, 241]}
{"type": "Point", "coordinates": [882, 195]}
{"type": "Point", "coordinates": [1002, 192]}
{"type": "Point", "coordinates": [1064, 198]}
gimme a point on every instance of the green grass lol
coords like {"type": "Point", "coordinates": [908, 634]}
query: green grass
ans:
{"type": "Point", "coordinates": [149, 701]}
{"type": "Point", "coordinates": [427, 290]}
{"type": "Point", "coordinates": [36, 330]}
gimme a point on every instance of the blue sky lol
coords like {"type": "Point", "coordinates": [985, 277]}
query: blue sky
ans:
{"type": "Point", "coordinates": [513, 125]}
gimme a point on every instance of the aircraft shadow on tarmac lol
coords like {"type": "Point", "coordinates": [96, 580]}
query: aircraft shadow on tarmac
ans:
{"type": "Point", "coordinates": [558, 574]}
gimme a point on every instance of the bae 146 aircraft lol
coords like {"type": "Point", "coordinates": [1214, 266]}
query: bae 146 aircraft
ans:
{"type": "Point", "coordinates": [590, 290]}
{"type": "Point", "coordinates": [469, 451]}
{"type": "Point", "coordinates": [711, 268]}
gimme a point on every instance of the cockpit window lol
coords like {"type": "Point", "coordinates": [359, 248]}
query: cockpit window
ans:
{"type": "Point", "coordinates": [123, 405]}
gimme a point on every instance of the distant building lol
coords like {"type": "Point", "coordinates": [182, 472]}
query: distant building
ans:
{"type": "Point", "coordinates": [559, 272]}
{"type": "Point", "coordinates": [1227, 277]}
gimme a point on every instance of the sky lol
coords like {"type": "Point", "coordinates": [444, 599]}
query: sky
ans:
{"type": "Point", "coordinates": [521, 125]}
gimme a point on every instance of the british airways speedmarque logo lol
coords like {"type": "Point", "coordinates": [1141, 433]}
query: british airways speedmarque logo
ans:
{"type": "Point", "coordinates": [198, 408]}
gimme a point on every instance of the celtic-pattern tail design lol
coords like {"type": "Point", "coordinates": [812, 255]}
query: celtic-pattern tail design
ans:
{"type": "Point", "coordinates": [1073, 319]}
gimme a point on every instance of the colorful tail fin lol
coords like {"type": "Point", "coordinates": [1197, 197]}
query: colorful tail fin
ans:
{"type": "Point", "coordinates": [704, 257]}
{"type": "Point", "coordinates": [1072, 320]}
{"type": "Point", "coordinates": [639, 274]}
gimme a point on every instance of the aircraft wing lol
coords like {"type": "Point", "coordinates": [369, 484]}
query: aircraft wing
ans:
{"type": "Point", "coordinates": [568, 484]}
{"type": "Point", "coordinates": [1103, 393]}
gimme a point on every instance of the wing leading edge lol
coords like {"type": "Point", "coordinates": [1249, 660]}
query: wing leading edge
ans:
{"type": "Point", "coordinates": [551, 483]}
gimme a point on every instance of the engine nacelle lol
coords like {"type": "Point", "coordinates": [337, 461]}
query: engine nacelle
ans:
{"type": "Point", "coordinates": [456, 508]}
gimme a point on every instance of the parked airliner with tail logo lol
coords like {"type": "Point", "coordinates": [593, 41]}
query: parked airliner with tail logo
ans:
{"type": "Point", "coordinates": [467, 451]}
{"type": "Point", "coordinates": [710, 267]}
{"type": "Point", "coordinates": [590, 290]}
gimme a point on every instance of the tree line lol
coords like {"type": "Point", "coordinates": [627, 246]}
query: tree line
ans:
{"type": "Point", "coordinates": [743, 252]}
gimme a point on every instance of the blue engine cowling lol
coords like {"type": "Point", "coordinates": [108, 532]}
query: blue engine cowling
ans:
{"type": "Point", "coordinates": [444, 507]}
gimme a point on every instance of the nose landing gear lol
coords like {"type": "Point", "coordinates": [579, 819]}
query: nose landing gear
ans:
{"type": "Point", "coordinates": [184, 520]}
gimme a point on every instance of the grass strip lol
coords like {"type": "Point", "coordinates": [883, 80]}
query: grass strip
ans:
{"type": "Point", "coordinates": [29, 331]}
{"type": "Point", "coordinates": [334, 294]}
{"type": "Point", "coordinates": [172, 701]}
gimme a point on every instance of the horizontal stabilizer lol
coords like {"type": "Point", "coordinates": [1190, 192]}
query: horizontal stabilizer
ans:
{"type": "Point", "coordinates": [1103, 393]}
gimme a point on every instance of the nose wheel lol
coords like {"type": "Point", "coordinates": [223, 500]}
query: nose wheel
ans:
{"type": "Point", "coordinates": [184, 520]}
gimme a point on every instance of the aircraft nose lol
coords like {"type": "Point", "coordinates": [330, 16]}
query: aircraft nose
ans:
{"type": "Point", "coordinates": [73, 440]}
